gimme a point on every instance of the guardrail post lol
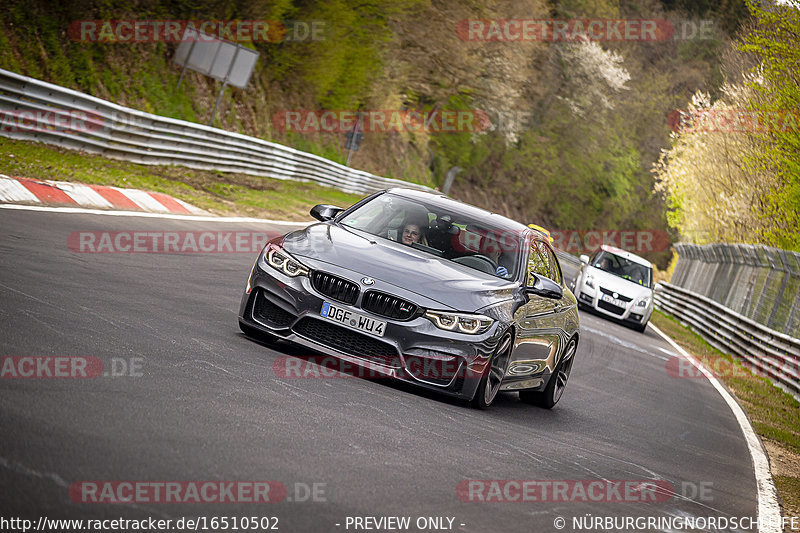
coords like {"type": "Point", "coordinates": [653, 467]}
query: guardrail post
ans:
{"type": "Point", "coordinates": [784, 282]}
{"type": "Point", "coordinates": [794, 312]}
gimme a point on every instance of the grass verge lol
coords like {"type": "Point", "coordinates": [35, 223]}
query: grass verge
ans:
{"type": "Point", "coordinates": [775, 415]}
{"type": "Point", "coordinates": [221, 193]}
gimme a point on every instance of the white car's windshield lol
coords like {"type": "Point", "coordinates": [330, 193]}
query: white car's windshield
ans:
{"type": "Point", "coordinates": [456, 236]}
{"type": "Point", "coordinates": [624, 268]}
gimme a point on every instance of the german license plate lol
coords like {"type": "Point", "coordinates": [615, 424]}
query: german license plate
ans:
{"type": "Point", "coordinates": [340, 315]}
{"type": "Point", "coordinates": [609, 299]}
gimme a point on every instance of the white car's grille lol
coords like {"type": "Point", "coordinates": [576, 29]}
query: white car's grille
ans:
{"type": "Point", "coordinates": [616, 296]}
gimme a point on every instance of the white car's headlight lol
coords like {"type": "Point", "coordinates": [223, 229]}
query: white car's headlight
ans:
{"type": "Point", "coordinates": [644, 301]}
{"type": "Point", "coordinates": [279, 259]}
{"type": "Point", "coordinates": [589, 281]}
{"type": "Point", "coordinates": [463, 323]}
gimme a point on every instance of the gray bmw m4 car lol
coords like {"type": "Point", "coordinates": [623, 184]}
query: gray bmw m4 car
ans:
{"type": "Point", "coordinates": [425, 289]}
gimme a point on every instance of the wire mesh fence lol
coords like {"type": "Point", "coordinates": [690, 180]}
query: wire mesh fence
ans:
{"type": "Point", "coordinates": [755, 281]}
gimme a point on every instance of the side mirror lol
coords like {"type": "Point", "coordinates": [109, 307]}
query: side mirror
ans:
{"type": "Point", "coordinates": [584, 259]}
{"type": "Point", "coordinates": [324, 212]}
{"type": "Point", "coordinates": [546, 288]}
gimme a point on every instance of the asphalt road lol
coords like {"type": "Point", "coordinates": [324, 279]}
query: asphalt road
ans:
{"type": "Point", "coordinates": [209, 406]}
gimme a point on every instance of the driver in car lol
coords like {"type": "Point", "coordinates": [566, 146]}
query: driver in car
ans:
{"type": "Point", "coordinates": [413, 232]}
{"type": "Point", "coordinates": [499, 259]}
{"type": "Point", "coordinates": [605, 264]}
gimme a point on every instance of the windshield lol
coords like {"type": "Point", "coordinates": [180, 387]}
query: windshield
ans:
{"type": "Point", "coordinates": [624, 268]}
{"type": "Point", "coordinates": [444, 232]}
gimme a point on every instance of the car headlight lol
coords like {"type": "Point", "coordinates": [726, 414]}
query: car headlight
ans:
{"type": "Point", "coordinates": [279, 259]}
{"type": "Point", "coordinates": [643, 302]}
{"type": "Point", "coordinates": [249, 287]}
{"type": "Point", "coordinates": [589, 281]}
{"type": "Point", "coordinates": [463, 323]}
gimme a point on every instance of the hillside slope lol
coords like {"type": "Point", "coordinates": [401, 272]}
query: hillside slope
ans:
{"type": "Point", "coordinates": [573, 128]}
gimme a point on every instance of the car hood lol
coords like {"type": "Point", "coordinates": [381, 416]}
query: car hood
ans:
{"type": "Point", "coordinates": [620, 285]}
{"type": "Point", "coordinates": [452, 285]}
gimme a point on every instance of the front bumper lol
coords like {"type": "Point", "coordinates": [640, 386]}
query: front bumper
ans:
{"type": "Point", "coordinates": [413, 350]}
{"type": "Point", "coordinates": [630, 313]}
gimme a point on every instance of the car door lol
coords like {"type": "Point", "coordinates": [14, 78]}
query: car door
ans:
{"type": "Point", "coordinates": [539, 320]}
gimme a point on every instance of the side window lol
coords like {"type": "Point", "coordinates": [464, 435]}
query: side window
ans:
{"type": "Point", "coordinates": [538, 263]}
{"type": "Point", "coordinates": [555, 268]}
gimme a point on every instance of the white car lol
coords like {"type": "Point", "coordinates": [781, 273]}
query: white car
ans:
{"type": "Point", "coordinates": [617, 284]}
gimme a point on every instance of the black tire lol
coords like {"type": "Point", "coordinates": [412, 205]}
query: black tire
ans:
{"type": "Point", "coordinates": [492, 378]}
{"type": "Point", "coordinates": [552, 393]}
{"type": "Point", "coordinates": [640, 327]}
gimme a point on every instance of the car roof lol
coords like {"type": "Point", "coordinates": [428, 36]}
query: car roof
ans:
{"type": "Point", "coordinates": [627, 255]}
{"type": "Point", "coordinates": [449, 204]}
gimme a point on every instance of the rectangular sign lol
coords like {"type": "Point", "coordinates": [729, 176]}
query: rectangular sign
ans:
{"type": "Point", "coordinates": [353, 320]}
{"type": "Point", "coordinates": [222, 60]}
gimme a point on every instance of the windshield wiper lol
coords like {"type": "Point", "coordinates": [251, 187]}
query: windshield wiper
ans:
{"type": "Point", "coordinates": [353, 231]}
{"type": "Point", "coordinates": [429, 249]}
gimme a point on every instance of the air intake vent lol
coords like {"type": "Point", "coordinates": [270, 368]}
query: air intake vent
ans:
{"type": "Point", "coordinates": [387, 305]}
{"type": "Point", "coordinates": [348, 341]}
{"type": "Point", "coordinates": [610, 307]}
{"type": "Point", "coordinates": [266, 311]}
{"type": "Point", "coordinates": [335, 287]}
{"type": "Point", "coordinates": [618, 296]}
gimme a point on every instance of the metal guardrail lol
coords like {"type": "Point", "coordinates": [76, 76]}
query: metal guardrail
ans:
{"type": "Point", "coordinates": [568, 258]}
{"type": "Point", "coordinates": [764, 350]}
{"type": "Point", "coordinates": [124, 133]}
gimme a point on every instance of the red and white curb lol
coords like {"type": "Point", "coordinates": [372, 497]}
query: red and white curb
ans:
{"type": "Point", "coordinates": [47, 192]}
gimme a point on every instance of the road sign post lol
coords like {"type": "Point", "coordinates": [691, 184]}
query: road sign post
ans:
{"type": "Point", "coordinates": [353, 139]}
{"type": "Point", "coordinates": [230, 63]}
